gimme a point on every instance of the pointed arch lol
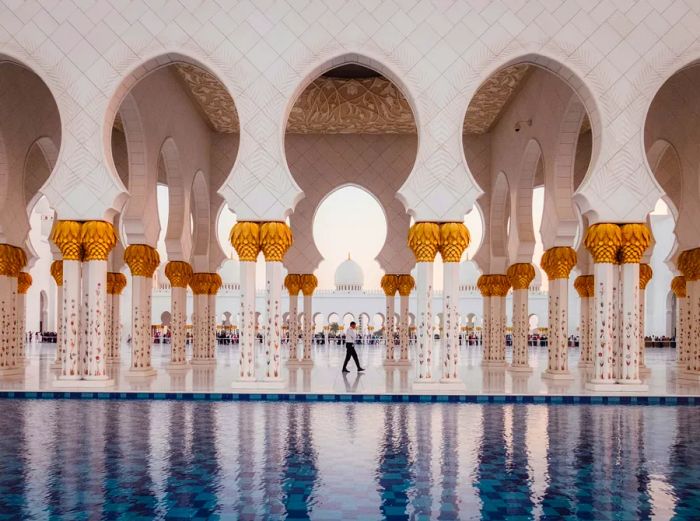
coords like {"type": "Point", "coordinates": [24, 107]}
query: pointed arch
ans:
{"type": "Point", "coordinates": [201, 219]}
{"type": "Point", "coordinates": [178, 234]}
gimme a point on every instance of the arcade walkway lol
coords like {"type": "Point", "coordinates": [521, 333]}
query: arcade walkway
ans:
{"type": "Point", "coordinates": [326, 377]}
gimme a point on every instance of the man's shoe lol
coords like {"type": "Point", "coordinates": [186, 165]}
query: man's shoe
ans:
{"type": "Point", "coordinates": [360, 369]}
{"type": "Point", "coordinates": [345, 370]}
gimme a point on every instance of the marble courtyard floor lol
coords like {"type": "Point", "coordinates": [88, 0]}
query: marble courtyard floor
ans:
{"type": "Point", "coordinates": [325, 376]}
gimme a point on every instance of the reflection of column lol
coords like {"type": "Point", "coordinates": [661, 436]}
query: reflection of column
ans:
{"type": "Point", "coordinates": [603, 240]}
{"type": "Point", "coordinates": [293, 284]}
{"type": "Point", "coordinates": [200, 283]}
{"type": "Point", "coordinates": [389, 284]}
{"type": "Point", "coordinates": [10, 264]}
{"type": "Point", "coordinates": [424, 240]}
{"type": "Point", "coordinates": [309, 282]}
{"type": "Point", "coordinates": [645, 275]}
{"type": "Point", "coordinates": [454, 239]}
{"type": "Point", "coordinates": [520, 276]}
{"type": "Point", "coordinates": [98, 239]}
{"type": "Point", "coordinates": [557, 263]}
{"type": "Point", "coordinates": [494, 289]}
{"type": "Point", "coordinates": [635, 239]}
{"type": "Point", "coordinates": [179, 274]}
{"type": "Point", "coordinates": [275, 240]}
{"type": "Point", "coordinates": [584, 286]}
{"type": "Point", "coordinates": [689, 265]}
{"type": "Point", "coordinates": [406, 284]}
{"type": "Point", "coordinates": [449, 465]}
{"type": "Point", "coordinates": [142, 261]}
{"type": "Point", "coordinates": [118, 282]}
{"type": "Point", "coordinates": [24, 282]}
{"type": "Point", "coordinates": [245, 238]}
{"type": "Point", "coordinates": [678, 287]}
{"type": "Point", "coordinates": [57, 274]}
{"type": "Point", "coordinates": [66, 236]}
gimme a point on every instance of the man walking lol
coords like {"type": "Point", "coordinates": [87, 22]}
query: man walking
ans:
{"type": "Point", "coordinates": [350, 339]}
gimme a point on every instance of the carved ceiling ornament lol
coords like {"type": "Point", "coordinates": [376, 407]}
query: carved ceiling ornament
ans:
{"type": "Point", "coordinates": [350, 106]}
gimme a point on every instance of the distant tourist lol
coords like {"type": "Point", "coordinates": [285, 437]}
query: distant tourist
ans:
{"type": "Point", "coordinates": [350, 339]}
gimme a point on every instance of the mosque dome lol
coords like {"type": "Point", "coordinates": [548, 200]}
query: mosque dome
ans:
{"type": "Point", "coordinates": [468, 274]}
{"type": "Point", "coordinates": [349, 276]}
{"type": "Point", "coordinates": [230, 271]}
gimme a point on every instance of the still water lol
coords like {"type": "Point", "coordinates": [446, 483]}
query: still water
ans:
{"type": "Point", "coordinates": [260, 460]}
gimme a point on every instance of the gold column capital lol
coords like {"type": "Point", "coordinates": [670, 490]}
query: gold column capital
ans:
{"type": "Point", "coordinates": [558, 262]}
{"type": "Point", "coordinates": [405, 285]}
{"type": "Point", "coordinates": [521, 275]}
{"type": "Point", "coordinates": [689, 264]}
{"type": "Point", "coordinates": [390, 284]}
{"type": "Point", "coordinates": [293, 283]}
{"type": "Point", "coordinates": [454, 239]}
{"type": "Point", "coordinates": [424, 240]}
{"type": "Point", "coordinates": [11, 260]}
{"type": "Point", "coordinates": [97, 239]}
{"type": "Point", "coordinates": [603, 240]}
{"type": "Point", "coordinates": [215, 283]}
{"type": "Point", "coordinates": [24, 282]}
{"type": "Point", "coordinates": [142, 260]}
{"type": "Point", "coordinates": [309, 283]}
{"type": "Point", "coordinates": [200, 282]}
{"type": "Point", "coordinates": [275, 239]}
{"type": "Point", "coordinates": [493, 285]}
{"type": "Point", "coordinates": [584, 286]}
{"type": "Point", "coordinates": [57, 272]}
{"type": "Point", "coordinates": [645, 275]}
{"type": "Point", "coordinates": [245, 238]}
{"type": "Point", "coordinates": [178, 273]}
{"type": "Point", "coordinates": [66, 236]}
{"type": "Point", "coordinates": [678, 286]}
{"type": "Point", "coordinates": [116, 282]}
{"type": "Point", "coordinates": [635, 240]}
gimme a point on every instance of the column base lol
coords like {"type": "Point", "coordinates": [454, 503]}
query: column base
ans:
{"type": "Point", "coordinates": [273, 385]}
{"type": "Point", "coordinates": [84, 384]}
{"type": "Point", "coordinates": [203, 361]}
{"type": "Point", "coordinates": [177, 366]}
{"type": "Point", "coordinates": [645, 371]}
{"type": "Point", "coordinates": [585, 365]}
{"type": "Point", "coordinates": [520, 369]}
{"type": "Point", "coordinates": [689, 376]}
{"type": "Point", "coordinates": [402, 363]}
{"type": "Point", "coordinates": [113, 360]}
{"type": "Point", "coordinates": [614, 387]}
{"type": "Point", "coordinates": [141, 373]}
{"type": "Point", "coordinates": [245, 384]}
{"type": "Point", "coordinates": [494, 363]}
{"type": "Point", "coordinates": [391, 363]}
{"type": "Point", "coordinates": [551, 375]}
{"type": "Point", "coordinates": [300, 363]}
{"type": "Point", "coordinates": [11, 371]}
{"type": "Point", "coordinates": [438, 385]}
{"type": "Point", "coordinates": [55, 365]}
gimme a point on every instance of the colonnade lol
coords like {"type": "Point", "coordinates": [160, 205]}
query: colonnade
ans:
{"type": "Point", "coordinates": [687, 292]}
{"type": "Point", "coordinates": [392, 284]}
{"type": "Point", "coordinates": [12, 260]}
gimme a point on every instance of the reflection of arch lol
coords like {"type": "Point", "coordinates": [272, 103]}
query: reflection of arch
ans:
{"type": "Point", "coordinates": [43, 311]}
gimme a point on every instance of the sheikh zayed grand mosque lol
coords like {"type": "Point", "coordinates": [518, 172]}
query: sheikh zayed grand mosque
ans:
{"type": "Point", "coordinates": [488, 207]}
{"type": "Point", "coordinates": [260, 114]}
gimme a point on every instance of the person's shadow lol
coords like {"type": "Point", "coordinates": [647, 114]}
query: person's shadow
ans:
{"type": "Point", "coordinates": [351, 388]}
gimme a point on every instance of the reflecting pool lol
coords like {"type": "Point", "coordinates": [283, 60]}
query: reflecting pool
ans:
{"type": "Point", "coordinates": [84, 459]}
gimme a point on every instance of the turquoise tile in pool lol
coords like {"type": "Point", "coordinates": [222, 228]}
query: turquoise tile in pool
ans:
{"type": "Point", "coordinates": [143, 459]}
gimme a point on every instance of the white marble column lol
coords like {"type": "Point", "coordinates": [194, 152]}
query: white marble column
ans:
{"type": "Point", "coordinates": [498, 330]}
{"type": "Point", "coordinates": [95, 290]}
{"type": "Point", "coordinates": [215, 285]}
{"type": "Point", "coordinates": [57, 274]}
{"type": "Point", "coordinates": [584, 287]}
{"type": "Point", "coordinates": [494, 288]}
{"type": "Point", "coordinates": [293, 284]}
{"type": "Point", "coordinates": [691, 272]}
{"type": "Point", "coordinates": [179, 274]}
{"type": "Point", "coordinates": [308, 332]}
{"type": "Point", "coordinates": [118, 285]}
{"type": "Point", "coordinates": [406, 284]}
{"type": "Point", "coordinates": [520, 276]}
{"type": "Point", "coordinates": [486, 322]}
{"type": "Point", "coordinates": [9, 268]}
{"type": "Point", "coordinates": [273, 326]}
{"type": "Point", "coordinates": [389, 284]}
{"type": "Point", "coordinates": [645, 275]}
{"type": "Point", "coordinates": [200, 319]}
{"type": "Point", "coordinates": [450, 336]}
{"type": "Point", "coordinates": [678, 285]}
{"type": "Point", "coordinates": [247, 335]}
{"type": "Point", "coordinates": [70, 327]}
{"type": "Point", "coordinates": [24, 282]}
{"type": "Point", "coordinates": [558, 263]}
{"type": "Point", "coordinates": [603, 240]}
{"type": "Point", "coordinates": [142, 261]}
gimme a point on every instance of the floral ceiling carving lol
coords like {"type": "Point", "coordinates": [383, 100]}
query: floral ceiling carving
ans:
{"type": "Point", "coordinates": [343, 106]}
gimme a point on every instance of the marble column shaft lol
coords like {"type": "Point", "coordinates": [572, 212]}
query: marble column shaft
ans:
{"type": "Point", "coordinates": [94, 365]}
{"type": "Point", "coordinates": [628, 362]}
{"type": "Point", "coordinates": [141, 340]}
{"type": "Point", "coordinates": [424, 317]}
{"type": "Point", "coordinates": [389, 327]}
{"type": "Point", "coordinates": [70, 328]}
{"type": "Point", "coordinates": [247, 335]}
{"type": "Point", "coordinates": [273, 329]}
{"type": "Point", "coordinates": [293, 324]}
{"type": "Point", "coordinates": [308, 331]}
{"type": "Point", "coordinates": [404, 328]}
{"type": "Point", "coordinates": [178, 325]}
{"type": "Point", "coordinates": [450, 333]}
{"type": "Point", "coordinates": [521, 327]}
{"type": "Point", "coordinates": [8, 337]}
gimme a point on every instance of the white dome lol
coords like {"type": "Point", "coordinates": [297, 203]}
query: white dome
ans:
{"type": "Point", "coordinates": [230, 271]}
{"type": "Point", "coordinates": [468, 273]}
{"type": "Point", "coordinates": [349, 276]}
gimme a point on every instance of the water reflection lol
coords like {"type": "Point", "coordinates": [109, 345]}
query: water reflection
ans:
{"type": "Point", "coordinates": [256, 460]}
